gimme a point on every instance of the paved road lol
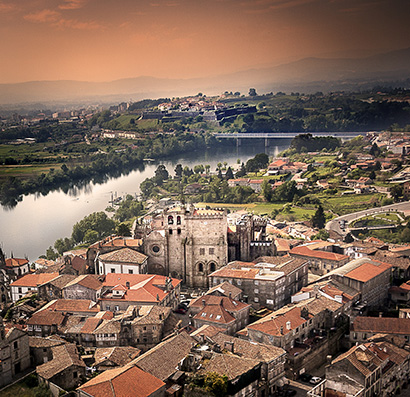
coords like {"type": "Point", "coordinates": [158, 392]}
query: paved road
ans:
{"type": "Point", "coordinates": [334, 224]}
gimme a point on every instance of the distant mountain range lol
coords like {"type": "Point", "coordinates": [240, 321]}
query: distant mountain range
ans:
{"type": "Point", "coordinates": [305, 75]}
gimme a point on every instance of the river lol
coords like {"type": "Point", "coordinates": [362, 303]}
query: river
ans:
{"type": "Point", "coordinates": [28, 229]}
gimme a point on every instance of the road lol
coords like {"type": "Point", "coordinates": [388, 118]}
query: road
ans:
{"type": "Point", "coordinates": [334, 224]}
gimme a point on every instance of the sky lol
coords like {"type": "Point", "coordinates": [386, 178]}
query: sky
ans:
{"type": "Point", "coordinates": [105, 40]}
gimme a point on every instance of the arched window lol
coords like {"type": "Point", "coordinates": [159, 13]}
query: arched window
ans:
{"type": "Point", "coordinates": [170, 231]}
{"type": "Point", "coordinates": [212, 267]}
{"type": "Point", "coordinates": [200, 267]}
{"type": "Point", "coordinates": [179, 231]}
{"type": "Point", "coordinates": [178, 220]}
{"type": "Point", "coordinates": [170, 220]}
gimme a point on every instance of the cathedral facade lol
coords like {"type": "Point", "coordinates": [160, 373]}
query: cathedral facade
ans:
{"type": "Point", "coordinates": [185, 243]}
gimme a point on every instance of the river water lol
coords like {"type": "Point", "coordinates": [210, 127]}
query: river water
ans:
{"type": "Point", "coordinates": [28, 229]}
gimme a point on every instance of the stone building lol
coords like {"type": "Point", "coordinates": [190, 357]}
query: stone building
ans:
{"type": "Point", "coordinates": [123, 260]}
{"type": "Point", "coordinates": [185, 242]}
{"type": "Point", "coordinates": [14, 353]}
{"type": "Point", "coordinates": [83, 287]}
{"type": "Point", "coordinates": [269, 283]}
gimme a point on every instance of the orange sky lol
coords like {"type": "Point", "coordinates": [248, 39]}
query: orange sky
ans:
{"type": "Point", "coordinates": [101, 40]}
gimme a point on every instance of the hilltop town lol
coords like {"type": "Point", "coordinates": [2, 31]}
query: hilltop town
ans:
{"type": "Point", "coordinates": [275, 277]}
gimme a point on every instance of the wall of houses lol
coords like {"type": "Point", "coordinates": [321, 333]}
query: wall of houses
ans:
{"type": "Point", "coordinates": [78, 291]}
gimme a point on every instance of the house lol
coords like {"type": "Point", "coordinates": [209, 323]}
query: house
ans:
{"type": "Point", "coordinates": [121, 381]}
{"type": "Point", "coordinates": [45, 323]}
{"type": "Point", "coordinates": [17, 266]}
{"type": "Point", "coordinates": [220, 311]}
{"type": "Point", "coordinates": [42, 263]}
{"type": "Point", "coordinates": [268, 283]}
{"type": "Point", "coordinates": [53, 289]}
{"type": "Point", "coordinates": [66, 369]}
{"type": "Point", "coordinates": [162, 360]}
{"type": "Point", "coordinates": [374, 368]}
{"type": "Point", "coordinates": [112, 357]}
{"type": "Point", "coordinates": [124, 260]}
{"type": "Point", "coordinates": [400, 294]}
{"type": "Point", "coordinates": [226, 289]}
{"type": "Point", "coordinates": [123, 290]}
{"type": "Point", "coordinates": [83, 287]}
{"type": "Point", "coordinates": [29, 283]}
{"type": "Point", "coordinates": [256, 184]}
{"type": "Point", "coordinates": [193, 188]}
{"type": "Point", "coordinates": [14, 352]}
{"type": "Point", "coordinates": [320, 262]}
{"type": "Point", "coordinates": [272, 359]}
{"type": "Point", "coordinates": [81, 307]}
{"type": "Point", "coordinates": [40, 348]}
{"type": "Point", "coordinates": [276, 166]}
{"type": "Point", "coordinates": [364, 328]}
{"type": "Point", "coordinates": [371, 278]}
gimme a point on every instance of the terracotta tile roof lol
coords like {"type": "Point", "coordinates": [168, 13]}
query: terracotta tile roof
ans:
{"type": "Point", "coordinates": [117, 355]}
{"type": "Point", "coordinates": [46, 317]}
{"type": "Point", "coordinates": [368, 270]}
{"type": "Point", "coordinates": [162, 360]}
{"type": "Point", "coordinates": [44, 262]}
{"type": "Point", "coordinates": [117, 242]}
{"type": "Point", "coordinates": [120, 382]}
{"type": "Point", "coordinates": [384, 325]}
{"type": "Point", "coordinates": [90, 325]}
{"type": "Point", "coordinates": [143, 287]}
{"type": "Point", "coordinates": [155, 315]}
{"type": "Point", "coordinates": [224, 301]}
{"type": "Point", "coordinates": [61, 281]}
{"type": "Point", "coordinates": [280, 324]}
{"type": "Point", "coordinates": [39, 342]}
{"type": "Point", "coordinates": [126, 255]}
{"type": "Point", "coordinates": [16, 262]}
{"type": "Point", "coordinates": [286, 264]}
{"type": "Point", "coordinates": [33, 280]}
{"type": "Point", "coordinates": [394, 259]}
{"type": "Point", "coordinates": [87, 281]}
{"type": "Point", "coordinates": [247, 349]}
{"type": "Point", "coordinates": [248, 271]}
{"type": "Point", "coordinates": [64, 356]}
{"type": "Point", "coordinates": [229, 365]}
{"type": "Point", "coordinates": [362, 358]}
{"type": "Point", "coordinates": [73, 305]}
{"type": "Point", "coordinates": [307, 252]}
{"type": "Point", "coordinates": [207, 330]}
{"type": "Point", "coordinates": [108, 327]}
{"type": "Point", "coordinates": [226, 289]}
{"type": "Point", "coordinates": [215, 314]}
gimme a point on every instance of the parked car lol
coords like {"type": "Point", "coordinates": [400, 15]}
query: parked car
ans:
{"type": "Point", "coordinates": [315, 380]}
{"type": "Point", "coordinates": [305, 377]}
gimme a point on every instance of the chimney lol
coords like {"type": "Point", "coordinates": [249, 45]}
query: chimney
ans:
{"type": "Point", "coordinates": [229, 346]}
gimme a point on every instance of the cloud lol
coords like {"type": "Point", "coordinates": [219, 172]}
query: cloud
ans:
{"type": "Point", "coordinates": [72, 4]}
{"type": "Point", "coordinates": [6, 7]}
{"type": "Point", "coordinates": [55, 19]}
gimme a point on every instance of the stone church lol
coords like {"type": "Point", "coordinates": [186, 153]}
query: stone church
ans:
{"type": "Point", "coordinates": [185, 242]}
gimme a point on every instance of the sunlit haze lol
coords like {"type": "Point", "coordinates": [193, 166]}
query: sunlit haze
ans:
{"type": "Point", "coordinates": [104, 40]}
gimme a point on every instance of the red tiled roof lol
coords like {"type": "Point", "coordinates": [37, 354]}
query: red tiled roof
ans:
{"type": "Point", "coordinates": [90, 325]}
{"type": "Point", "coordinates": [383, 325]}
{"type": "Point", "coordinates": [305, 251]}
{"type": "Point", "coordinates": [88, 281]}
{"type": "Point", "coordinates": [228, 303]}
{"type": "Point", "coordinates": [33, 280]}
{"type": "Point", "coordinates": [120, 382]}
{"type": "Point", "coordinates": [46, 317]}
{"type": "Point", "coordinates": [367, 271]}
{"type": "Point", "coordinates": [127, 255]}
{"type": "Point", "coordinates": [73, 305]}
{"type": "Point", "coordinates": [16, 262]}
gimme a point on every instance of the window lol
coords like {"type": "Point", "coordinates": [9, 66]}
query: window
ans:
{"type": "Point", "coordinates": [256, 282]}
{"type": "Point", "coordinates": [200, 267]}
{"type": "Point", "coordinates": [170, 220]}
{"type": "Point", "coordinates": [155, 249]}
{"type": "Point", "coordinates": [108, 308]}
{"type": "Point", "coordinates": [15, 345]}
{"type": "Point", "coordinates": [170, 231]}
{"type": "Point", "coordinates": [211, 251]}
{"type": "Point", "coordinates": [20, 291]}
{"type": "Point", "coordinates": [75, 374]}
{"type": "Point", "coordinates": [256, 299]}
{"type": "Point", "coordinates": [116, 308]}
{"type": "Point", "coordinates": [112, 270]}
{"type": "Point", "coordinates": [212, 267]}
{"type": "Point", "coordinates": [179, 231]}
{"type": "Point", "coordinates": [202, 251]}
{"type": "Point", "coordinates": [144, 328]}
{"type": "Point", "coordinates": [178, 220]}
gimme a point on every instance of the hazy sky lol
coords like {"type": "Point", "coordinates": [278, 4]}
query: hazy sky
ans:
{"type": "Point", "coordinates": [100, 40]}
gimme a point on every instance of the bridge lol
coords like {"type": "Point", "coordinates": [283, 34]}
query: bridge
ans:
{"type": "Point", "coordinates": [281, 135]}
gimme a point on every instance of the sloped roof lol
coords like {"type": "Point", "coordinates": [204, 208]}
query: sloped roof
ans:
{"type": "Point", "coordinates": [16, 262]}
{"type": "Point", "coordinates": [126, 255]}
{"type": "Point", "coordinates": [87, 281]}
{"type": "Point", "coordinates": [367, 271]}
{"type": "Point", "coordinates": [162, 360]}
{"type": "Point", "coordinates": [90, 325]}
{"type": "Point", "coordinates": [384, 325]}
{"type": "Point", "coordinates": [33, 280]}
{"type": "Point", "coordinates": [38, 341]}
{"type": "Point", "coordinates": [216, 314]}
{"type": "Point", "coordinates": [73, 305]}
{"type": "Point", "coordinates": [224, 301]}
{"type": "Point", "coordinates": [307, 252]}
{"type": "Point", "coordinates": [46, 317]}
{"type": "Point", "coordinates": [226, 289]}
{"type": "Point", "coordinates": [119, 355]}
{"type": "Point", "coordinates": [119, 383]}
{"type": "Point", "coordinates": [64, 356]}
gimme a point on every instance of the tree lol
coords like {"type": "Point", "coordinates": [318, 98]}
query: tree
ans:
{"type": "Point", "coordinates": [51, 254]}
{"type": "Point", "coordinates": [161, 174]}
{"type": "Point", "coordinates": [229, 174]}
{"type": "Point", "coordinates": [98, 222]}
{"type": "Point", "coordinates": [178, 170]}
{"type": "Point", "coordinates": [396, 192]}
{"type": "Point", "coordinates": [252, 92]}
{"type": "Point", "coordinates": [319, 218]}
{"type": "Point", "coordinates": [207, 168]}
{"type": "Point", "coordinates": [267, 190]}
{"type": "Point", "coordinates": [124, 229]}
{"type": "Point", "coordinates": [199, 169]}
{"type": "Point", "coordinates": [62, 245]}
